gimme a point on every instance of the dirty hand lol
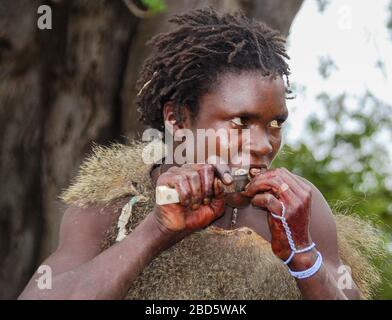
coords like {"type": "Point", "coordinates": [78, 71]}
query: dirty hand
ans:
{"type": "Point", "coordinates": [201, 196]}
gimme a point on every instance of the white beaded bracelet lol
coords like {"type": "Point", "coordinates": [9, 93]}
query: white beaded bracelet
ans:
{"type": "Point", "coordinates": [309, 272]}
{"type": "Point", "coordinates": [298, 274]}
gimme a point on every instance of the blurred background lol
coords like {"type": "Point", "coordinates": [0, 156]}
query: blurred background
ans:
{"type": "Point", "coordinates": [64, 87]}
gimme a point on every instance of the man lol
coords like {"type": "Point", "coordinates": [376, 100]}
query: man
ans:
{"type": "Point", "coordinates": [276, 239]}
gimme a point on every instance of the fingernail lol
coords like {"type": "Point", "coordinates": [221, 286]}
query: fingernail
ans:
{"type": "Point", "coordinates": [195, 206]}
{"type": "Point", "coordinates": [228, 178]}
{"type": "Point", "coordinates": [206, 201]}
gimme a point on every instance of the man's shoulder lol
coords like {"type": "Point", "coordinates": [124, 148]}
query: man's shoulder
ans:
{"type": "Point", "coordinates": [322, 213]}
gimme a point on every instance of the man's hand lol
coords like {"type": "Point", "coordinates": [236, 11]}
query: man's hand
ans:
{"type": "Point", "coordinates": [201, 197]}
{"type": "Point", "coordinates": [268, 190]}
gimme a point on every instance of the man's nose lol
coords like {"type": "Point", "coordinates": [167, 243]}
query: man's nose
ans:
{"type": "Point", "coordinates": [259, 143]}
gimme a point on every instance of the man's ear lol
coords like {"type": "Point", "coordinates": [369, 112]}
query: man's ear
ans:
{"type": "Point", "coordinates": [171, 122]}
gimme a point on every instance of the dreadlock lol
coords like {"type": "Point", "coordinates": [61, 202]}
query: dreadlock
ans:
{"type": "Point", "coordinates": [185, 63]}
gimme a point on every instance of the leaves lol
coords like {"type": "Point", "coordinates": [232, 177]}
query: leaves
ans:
{"type": "Point", "coordinates": [389, 23]}
{"type": "Point", "coordinates": [322, 4]}
{"type": "Point", "coordinates": [326, 66]}
{"type": "Point", "coordinates": [155, 6]}
{"type": "Point", "coordinates": [353, 168]}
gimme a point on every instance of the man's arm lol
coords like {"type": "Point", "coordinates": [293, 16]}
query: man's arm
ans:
{"type": "Point", "coordinates": [81, 271]}
{"type": "Point", "coordinates": [324, 284]}
{"type": "Point", "coordinates": [298, 218]}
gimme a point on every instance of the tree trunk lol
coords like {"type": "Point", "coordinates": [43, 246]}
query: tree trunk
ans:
{"type": "Point", "coordinates": [59, 91]}
{"type": "Point", "coordinates": [279, 14]}
{"type": "Point", "coordinates": [21, 132]}
{"type": "Point", "coordinates": [62, 89]}
{"type": "Point", "coordinates": [84, 96]}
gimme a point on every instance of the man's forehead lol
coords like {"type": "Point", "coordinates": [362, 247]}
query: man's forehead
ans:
{"type": "Point", "coordinates": [246, 93]}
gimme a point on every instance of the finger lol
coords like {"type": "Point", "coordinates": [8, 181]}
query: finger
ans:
{"type": "Point", "coordinates": [269, 202]}
{"type": "Point", "coordinates": [218, 207]}
{"type": "Point", "coordinates": [222, 169]}
{"type": "Point", "coordinates": [303, 185]}
{"type": "Point", "coordinates": [195, 185]}
{"type": "Point", "coordinates": [206, 174]}
{"type": "Point", "coordinates": [274, 206]}
{"type": "Point", "coordinates": [224, 173]}
{"type": "Point", "coordinates": [301, 190]}
{"type": "Point", "coordinates": [218, 188]}
{"type": "Point", "coordinates": [263, 183]}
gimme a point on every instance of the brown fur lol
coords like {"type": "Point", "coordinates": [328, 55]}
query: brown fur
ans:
{"type": "Point", "coordinates": [212, 263]}
{"type": "Point", "coordinates": [109, 173]}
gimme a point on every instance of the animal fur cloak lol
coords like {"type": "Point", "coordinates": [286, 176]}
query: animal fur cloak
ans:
{"type": "Point", "coordinates": [212, 263]}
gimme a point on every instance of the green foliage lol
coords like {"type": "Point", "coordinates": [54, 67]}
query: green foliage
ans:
{"type": "Point", "coordinates": [322, 4]}
{"type": "Point", "coordinates": [389, 23]}
{"type": "Point", "coordinates": [346, 158]}
{"type": "Point", "coordinates": [155, 6]}
{"type": "Point", "coordinates": [326, 66]}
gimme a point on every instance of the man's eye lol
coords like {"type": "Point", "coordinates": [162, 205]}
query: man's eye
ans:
{"type": "Point", "coordinates": [276, 124]}
{"type": "Point", "coordinates": [238, 121]}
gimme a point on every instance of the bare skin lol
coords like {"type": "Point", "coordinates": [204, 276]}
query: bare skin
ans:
{"type": "Point", "coordinates": [81, 270]}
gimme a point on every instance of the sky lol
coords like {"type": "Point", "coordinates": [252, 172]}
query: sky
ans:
{"type": "Point", "coordinates": [353, 34]}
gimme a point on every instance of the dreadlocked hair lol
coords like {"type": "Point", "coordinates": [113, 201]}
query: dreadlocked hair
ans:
{"type": "Point", "coordinates": [185, 64]}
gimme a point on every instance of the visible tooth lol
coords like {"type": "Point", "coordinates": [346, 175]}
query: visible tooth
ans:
{"type": "Point", "coordinates": [255, 171]}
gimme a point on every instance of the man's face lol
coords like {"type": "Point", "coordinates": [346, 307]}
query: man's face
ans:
{"type": "Point", "coordinates": [244, 101]}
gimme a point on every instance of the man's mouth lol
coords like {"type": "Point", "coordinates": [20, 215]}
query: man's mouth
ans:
{"type": "Point", "coordinates": [252, 170]}
{"type": "Point", "coordinates": [242, 176]}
